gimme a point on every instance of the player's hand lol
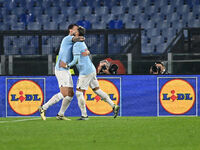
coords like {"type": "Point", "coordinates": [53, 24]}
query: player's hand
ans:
{"type": "Point", "coordinates": [63, 64]}
{"type": "Point", "coordinates": [86, 53]}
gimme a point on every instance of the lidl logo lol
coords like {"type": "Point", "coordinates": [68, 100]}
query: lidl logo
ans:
{"type": "Point", "coordinates": [25, 96]}
{"type": "Point", "coordinates": [97, 105]}
{"type": "Point", "coordinates": [177, 96]}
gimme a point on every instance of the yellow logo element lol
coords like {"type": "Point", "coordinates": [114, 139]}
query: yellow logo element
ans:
{"type": "Point", "coordinates": [177, 96]}
{"type": "Point", "coordinates": [94, 102]}
{"type": "Point", "coordinates": [25, 96]}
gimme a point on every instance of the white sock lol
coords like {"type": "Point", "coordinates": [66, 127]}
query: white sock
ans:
{"type": "Point", "coordinates": [56, 98]}
{"type": "Point", "coordinates": [105, 96]}
{"type": "Point", "coordinates": [65, 104]}
{"type": "Point", "coordinates": [81, 103]}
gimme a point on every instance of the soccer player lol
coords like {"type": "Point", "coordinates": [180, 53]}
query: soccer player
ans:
{"type": "Point", "coordinates": [63, 75]}
{"type": "Point", "coordinates": [87, 76]}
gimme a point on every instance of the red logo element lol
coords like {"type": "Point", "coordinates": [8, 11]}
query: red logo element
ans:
{"type": "Point", "coordinates": [98, 98]}
{"type": "Point", "coordinates": [21, 98]}
{"type": "Point", "coordinates": [173, 97]}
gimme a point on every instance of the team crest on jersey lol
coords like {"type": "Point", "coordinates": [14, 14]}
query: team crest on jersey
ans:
{"type": "Point", "coordinates": [177, 96]}
{"type": "Point", "coordinates": [25, 96]}
{"type": "Point", "coordinates": [97, 105]}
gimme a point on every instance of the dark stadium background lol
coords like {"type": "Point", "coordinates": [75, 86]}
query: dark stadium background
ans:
{"type": "Point", "coordinates": [147, 30]}
{"type": "Point", "coordinates": [135, 33]}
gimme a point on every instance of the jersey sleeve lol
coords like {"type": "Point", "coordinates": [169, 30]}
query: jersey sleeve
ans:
{"type": "Point", "coordinates": [62, 58]}
{"type": "Point", "coordinates": [69, 38]}
{"type": "Point", "coordinates": [77, 48]}
{"type": "Point", "coordinates": [74, 61]}
{"type": "Point", "coordinates": [65, 42]}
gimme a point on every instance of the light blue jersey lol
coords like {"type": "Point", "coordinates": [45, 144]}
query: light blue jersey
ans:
{"type": "Point", "coordinates": [83, 63]}
{"type": "Point", "coordinates": [65, 53]}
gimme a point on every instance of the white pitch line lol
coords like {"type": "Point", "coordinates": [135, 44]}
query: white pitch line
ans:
{"type": "Point", "coordinates": [20, 120]}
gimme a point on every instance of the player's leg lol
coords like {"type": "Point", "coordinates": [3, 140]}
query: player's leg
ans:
{"type": "Point", "coordinates": [57, 97]}
{"type": "Point", "coordinates": [94, 84]}
{"type": "Point", "coordinates": [66, 89]}
{"type": "Point", "coordinates": [81, 104]}
{"type": "Point", "coordinates": [82, 85]}
{"type": "Point", "coordinates": [54, 99]}
{"type": "Point", "coordinates": [68, 96]}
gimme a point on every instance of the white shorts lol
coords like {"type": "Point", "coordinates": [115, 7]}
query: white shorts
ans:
{"type": "Point", "coordinates": [64, 78]}
{"type": "Point", "coordinates": [87, 80]}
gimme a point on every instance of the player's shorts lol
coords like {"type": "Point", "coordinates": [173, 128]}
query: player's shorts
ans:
{"type": "Point", "coordinates": [87, 80]}
{"type": "Point", "coordinates": [64, 78]}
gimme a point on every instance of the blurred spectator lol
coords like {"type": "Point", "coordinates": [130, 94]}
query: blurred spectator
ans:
{"type": "Point", "coordinates": [103, 67]}
{"type": "Point", "coordinates": [110, 66]}
{"type": "Point", "coordinates": [27, 17]}
{"type": "Point", "coordinates": [116, 23]}
{"type": "Point", "coordinates": [84, 23]}
{"type": "Point", "coordinates": [158, 68]}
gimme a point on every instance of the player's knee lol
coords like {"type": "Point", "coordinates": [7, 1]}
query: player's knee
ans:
{"type": "Point", "coordinates": [67, 91]}
{"type": "Point", "coordinates": [71, 93]}
{"type": "Point", "coordinates": [64, 91]}
{"type": "Point", "coordinates": [64, 94]}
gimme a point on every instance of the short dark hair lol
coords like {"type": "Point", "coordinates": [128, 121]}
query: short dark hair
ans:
{"type": "Point", "coordinates": [71, 26]}
{"type": "Point", "coordinates": [81, 31]}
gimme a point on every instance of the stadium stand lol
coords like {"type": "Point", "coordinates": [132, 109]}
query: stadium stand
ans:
{"type": "Point", "coordinates": [116, 23]}
{"type": "Point", "coordinates": [84, 23]}
{"type": "Point", "coordinates": [161, 19]}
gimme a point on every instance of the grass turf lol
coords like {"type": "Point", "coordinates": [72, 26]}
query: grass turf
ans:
{"type": "Point", "coordinates": [101, 133]}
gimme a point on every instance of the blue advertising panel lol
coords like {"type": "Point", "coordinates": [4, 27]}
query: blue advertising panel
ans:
{"type": "Point", "coordinates": [95, 105]}
{"type": "Point", "coordinates": [137, 95]}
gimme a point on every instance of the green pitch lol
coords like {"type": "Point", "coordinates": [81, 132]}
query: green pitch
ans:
{"type": "Point", "coordinates": [101, 133]}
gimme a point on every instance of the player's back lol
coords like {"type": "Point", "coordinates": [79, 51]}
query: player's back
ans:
{"type": "Point", "coordinates": [85, 65]}
{"type": "Point", "coordinates": [65, 52]}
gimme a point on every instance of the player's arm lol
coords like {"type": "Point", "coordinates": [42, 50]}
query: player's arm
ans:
{"type": "Point", "coordinates": [78, 39]}
{"type": "Point", "coordinates": [86, 53]}
{"type": "Point", "coordinates": [77, 47]}
{"type": "Point", "coordinates": [74, 62]}
{"type": "Point", "coordinates": [76, 58]}
{"type": "Point", "coordinates": [62, 60]}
